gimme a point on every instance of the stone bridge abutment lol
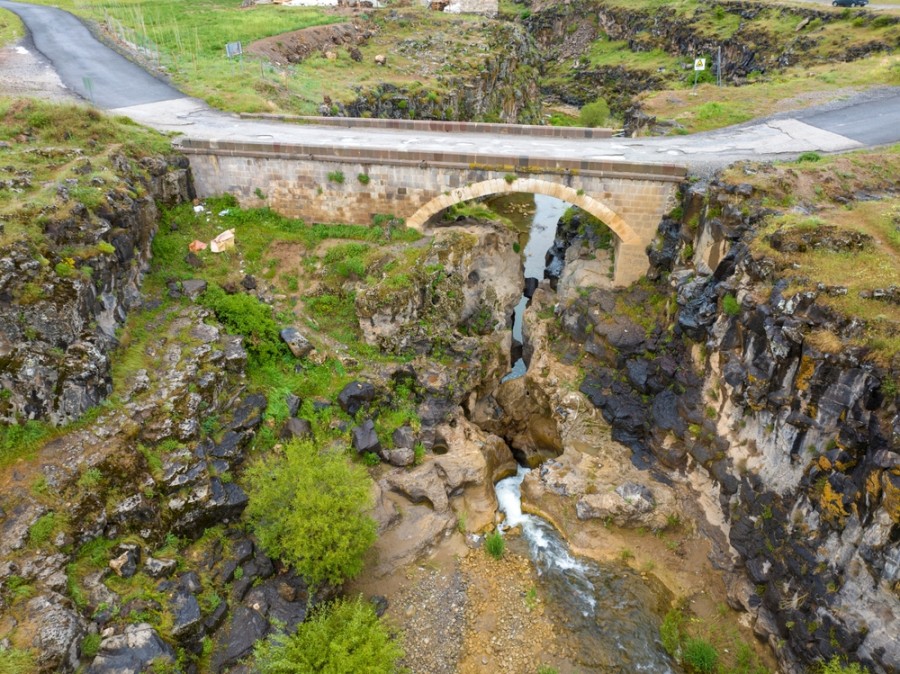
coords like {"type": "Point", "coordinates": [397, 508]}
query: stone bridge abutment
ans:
{"type": "Point", "coordinates": [352, 185]}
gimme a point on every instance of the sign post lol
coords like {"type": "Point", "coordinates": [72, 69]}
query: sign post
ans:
{"type": "Point", "coordinates": [699, 64]}
{"type": "Point", "coordinates": [233, 49]}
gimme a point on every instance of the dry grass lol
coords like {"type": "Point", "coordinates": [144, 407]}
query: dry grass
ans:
{"type": "Point", "coordinates": [820, 187]}
{"type": "Point", "coordinates": [792, 89]}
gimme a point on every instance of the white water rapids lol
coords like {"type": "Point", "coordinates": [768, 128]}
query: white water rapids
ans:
{"type": "Point", "coordinates": [608, 611]}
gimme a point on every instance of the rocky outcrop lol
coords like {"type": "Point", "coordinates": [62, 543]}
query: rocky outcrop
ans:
{"type": "Point", "coordinates": [466, 283]}
{"type": "Point", "coordinates": [59, 310]}
{"type": "Point", "coordinates": [502, 87]}
{"type": "Point", "coordinates": [802, 445]}
{"type": "Point", "coordinates": [743, 31]}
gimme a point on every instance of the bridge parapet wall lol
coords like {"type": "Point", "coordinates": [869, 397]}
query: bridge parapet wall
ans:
{"type": "Point", "coordinates": [339, 184]}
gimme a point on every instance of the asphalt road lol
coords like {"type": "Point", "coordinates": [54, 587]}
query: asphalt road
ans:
{"type": "Point", "coordinates": [86, 66]}
{"type": "Point", "coordinates": [119, 85]}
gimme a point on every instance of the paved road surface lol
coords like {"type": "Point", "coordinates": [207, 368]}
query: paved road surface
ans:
{"type": "Point", "coordinates": [123, 87]}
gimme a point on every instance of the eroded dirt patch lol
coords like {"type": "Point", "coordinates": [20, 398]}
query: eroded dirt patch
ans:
{"type": "Point", "coordinates": [298, 45]}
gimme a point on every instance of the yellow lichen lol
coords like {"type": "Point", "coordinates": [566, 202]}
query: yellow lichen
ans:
{"type": "Point", "coordinates": [832, 506]}
{"type": "Point", "coordinates": [891, 501]}
{"type": "Point", "coordinates": [804, 373]}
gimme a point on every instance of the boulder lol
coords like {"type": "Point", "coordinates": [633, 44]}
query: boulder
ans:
{"type": "Point", "coordinates": [132, 652]}
{"type": "Point", "coordinates": [402, 456]}
{"type": "Point", "coordinates": [297, 343]}
{"type": "Point", "coordinates": [365, 439]}
{"type": "Point", "coordinates": [355, 395]}
{"type": "Point", "coordinates": [159, 568]}
{"type": "Point", "coordinates": [57, 631]}
{"type": "Point", "coordinates": [185, 614]}
{"type": "Point", "coordinates": [404, 438]}
{"type": "Point", "coordinates": [295, 428]}
{"type": "Point", "coordinates": [193, 288]}
{"type": "Point", "coordinates": [126, 564]}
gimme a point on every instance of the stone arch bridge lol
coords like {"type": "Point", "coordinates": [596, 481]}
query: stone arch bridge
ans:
{"type": "Point", "coordinates": [351, 185]}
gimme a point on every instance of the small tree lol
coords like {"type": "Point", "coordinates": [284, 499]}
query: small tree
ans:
{"type": "Point", "coordinates": [308, 508]}
{"type": "Point", "coordinates": [594, 114]}
{"type": "Point", "coordinates": [345, 637]}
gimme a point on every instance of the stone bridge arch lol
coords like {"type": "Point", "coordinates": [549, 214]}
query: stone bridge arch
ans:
{"type": "Point", "coordinates": [630, 259]}
{"type": "Point", "coordinates": [623, 231]}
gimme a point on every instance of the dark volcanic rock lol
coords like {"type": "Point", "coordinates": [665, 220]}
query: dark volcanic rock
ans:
{"type": "Point", "coordinates": [131, 652]}
{"type": "Point", "coordinates": [365, 439]}
{"type": "Point", "coordinates": [355, 395]}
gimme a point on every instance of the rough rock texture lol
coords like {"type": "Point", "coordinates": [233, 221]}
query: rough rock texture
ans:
{"type": "Point", "coordinates": [468, 281]}
{"type": "Point", "coordinates": [801, 445]}
{"type": "Point", "coordinates": [57, 319]}
{"type": "Point", "coordinates": [158, 466]}
{"type": "Point", "coordinates": [457, 483]}
{"type": "Point", "coordinates": [501, 87]}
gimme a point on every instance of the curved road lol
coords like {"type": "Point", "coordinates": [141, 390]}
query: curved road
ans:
{"type": "Point", "coordinates": [99, 74]}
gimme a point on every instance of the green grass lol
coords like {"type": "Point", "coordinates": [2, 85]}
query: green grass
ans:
{"type": "Point", "coordinates": [494, 544]}
{"type": "Point", "coordinates": [11, 27]}
{"type": "Point", "coordinates": [61, 139]}
{"type": "Point", "coordinates": [17, 661]}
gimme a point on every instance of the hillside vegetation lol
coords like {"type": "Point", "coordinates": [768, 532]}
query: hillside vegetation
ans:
{"type": "Point", "coordinates": [539, 62]}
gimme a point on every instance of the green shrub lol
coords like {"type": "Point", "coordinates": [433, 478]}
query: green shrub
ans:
{"type": "Point", "coordinates": [363, 178]}
{"type": "Point", "coordinates": [308, 508]}
{"type": "Point", "coordinates": [670, 631]}
{"type": "Point", "coordinates": [510, 178]}
{"type": "Point", "coordinates": [90, 645]}
{"type": "Point", "coordinates": [809, 157]}
{"type": "Point", "coordinates": [594, 114]}
{"type": "Point", "coordinates": [494, 544]}
{"type": "Point", "coordinates": [836, 666]}
{"type": "Point", "coordinates": [343, 637]}
{"type": "Point", "coordinates": [244, 314]}
{"type": "Point", "coordinates": [371, 459]}
{"type": "Point", "coordinates": [730, 305]}
{"type": "Point", "coordinates": [700, 656]}
{"type": "Point", "coordinates": [336, 177]}
{"type": "Point", "coordinates": [106, 247]}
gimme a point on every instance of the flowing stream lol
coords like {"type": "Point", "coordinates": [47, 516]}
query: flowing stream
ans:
{"type": "Point", "coordinates": [542, 232]}
{"type": "Point", "coordinates": [606, 609]}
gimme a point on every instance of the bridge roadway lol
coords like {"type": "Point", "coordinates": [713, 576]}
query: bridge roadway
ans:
{"type": "Point", "coordinates": [99, 74]}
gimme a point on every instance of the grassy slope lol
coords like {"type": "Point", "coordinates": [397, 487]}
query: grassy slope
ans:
{"type": "Point", "coordinates": [46, 144]}
{"type": "Point", "coordinates": [823, 75]}
{"type": "Point", "coordinates": [826, 190]}
{"type": "Point", "coordinates": [188, 40]}
{"type": "Point", "coordinates": [11, 28]}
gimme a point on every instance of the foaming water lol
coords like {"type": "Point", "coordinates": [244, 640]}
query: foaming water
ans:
{"type": "Point", "coordinates": [607, 609]}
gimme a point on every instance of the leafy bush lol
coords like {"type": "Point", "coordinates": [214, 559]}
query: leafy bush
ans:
{"type": "Point", "coordinates": [246, 315]}
{"type": "Point", "coordinates": [700, 655]}
{"type": "Point", "coordinates": [730, 305]}
{"type": "Point", "coordinates": [594, 114]}
{"type": "Point", "coordinates": [308, 509]}
{"type": "Point", "coordinates": [363, 178]}
{"type": "Point", "coordinates": [809, 157]}
{"type": "Point", "coordinates": [494, 544]}
{"type": "Point", "coordinates": [835, 666]}
{"type": "Point", "coordinates": [336, 177]}
{"type": "Point", "coordinates": [343, 637]}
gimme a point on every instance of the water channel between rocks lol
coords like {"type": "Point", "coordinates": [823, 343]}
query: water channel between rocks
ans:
{"type": "Point", "coordinates": [607, 609]}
